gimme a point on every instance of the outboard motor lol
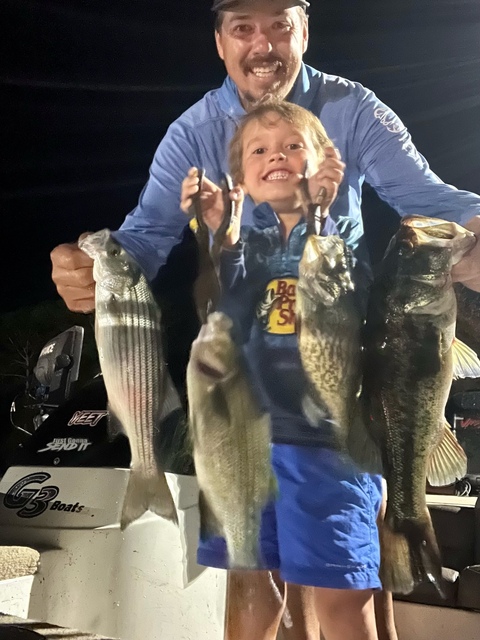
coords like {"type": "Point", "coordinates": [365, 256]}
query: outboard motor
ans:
{"type": "Point", "coordinates": [54, 378]}
{"type": "Point", "coordinates": [69, 425]}
{"type": "Point", "coordinates": [58, 366]}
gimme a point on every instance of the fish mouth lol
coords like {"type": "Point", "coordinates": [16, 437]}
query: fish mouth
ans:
{"type": "Point", "coordinates": [95, 243]}
{"type": "Point", "coordinates": [209, 370]}
{"type": "Point", "coordinates": [420, 231]}
{"type": "Point", "coordinates": [431, 229]}
{"type": "Point", "coordinates": [327, 249]}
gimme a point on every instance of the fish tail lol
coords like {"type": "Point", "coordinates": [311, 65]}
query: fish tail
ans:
{"type": "Point", "coordinates": [243, 557]}
{"type": "Point", "coordinates": [410, 555]}
{"type": "Point", "coordinates": [242, 546]}
{"type": "Point", "coordinates": [395, 571]}
{"type": "Point", "coordinates": [147, 493]}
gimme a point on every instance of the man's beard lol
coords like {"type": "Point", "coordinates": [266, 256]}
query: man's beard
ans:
{"type": "Point", "coordinates": [277, 91]}
{"type": "Point", "coordinates": [274, 93]}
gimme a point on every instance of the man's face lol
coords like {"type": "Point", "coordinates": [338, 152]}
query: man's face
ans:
{"type": "Point", "coordinates": [262, 48]}
{"type": "Point", "coordinates": [274, 153]}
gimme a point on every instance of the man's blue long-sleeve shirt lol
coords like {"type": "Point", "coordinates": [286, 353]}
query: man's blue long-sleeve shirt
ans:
{"type": "Point", "coordinates": [372, 141]}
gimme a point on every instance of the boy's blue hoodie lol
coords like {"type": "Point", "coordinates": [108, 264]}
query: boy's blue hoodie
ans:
{"type": "Point", "coordinates": [259, 277]}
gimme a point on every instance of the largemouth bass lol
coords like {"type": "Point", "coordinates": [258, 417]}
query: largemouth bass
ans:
{"type": "Point", "coordinates": [231, 442]}
{"type": "Point", "coordinates": [329, 325]}
{"type": "Point", "coordinates": [139, 388]}
{"type": "Point", "coordinates": [410, 359]}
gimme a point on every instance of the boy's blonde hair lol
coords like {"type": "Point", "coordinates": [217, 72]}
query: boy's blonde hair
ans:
{"type": "Point", "coordinates": [298, 116]}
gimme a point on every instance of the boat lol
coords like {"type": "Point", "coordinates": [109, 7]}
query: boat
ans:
{"type": "Point", "coordinates": [60, 503]}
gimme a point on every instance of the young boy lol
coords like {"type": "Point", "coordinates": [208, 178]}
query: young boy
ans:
{"type": "Point", "coordinates": [321, 531]}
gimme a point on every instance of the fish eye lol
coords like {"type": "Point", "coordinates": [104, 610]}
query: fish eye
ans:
{"type": "Point", "coordinates": [115, 252]}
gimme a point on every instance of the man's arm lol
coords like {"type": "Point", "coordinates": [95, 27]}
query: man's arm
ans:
{"type": "Point", "coordinates": [155, 226]}
{"type": "Point", "coordinates": [402, 177]}
{"type": "Point", "coordinates": [149, 232]}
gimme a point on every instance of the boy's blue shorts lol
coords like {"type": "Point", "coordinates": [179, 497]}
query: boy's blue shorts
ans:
{"type": "Point", "coordinates": [321, 530]}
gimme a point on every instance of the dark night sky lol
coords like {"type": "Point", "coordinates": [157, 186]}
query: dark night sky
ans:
{"type": "Point", "coordinates": [90, 86]}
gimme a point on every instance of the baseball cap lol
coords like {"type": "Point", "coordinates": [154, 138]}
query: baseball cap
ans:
{"type": "Point", "coordinates": [226, 5]}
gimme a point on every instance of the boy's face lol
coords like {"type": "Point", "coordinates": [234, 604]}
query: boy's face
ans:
{"type": "Point", "coordinates": [274, 156]}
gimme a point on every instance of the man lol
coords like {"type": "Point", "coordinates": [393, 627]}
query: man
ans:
{"type": "Point", "coordinates": [262, 43]}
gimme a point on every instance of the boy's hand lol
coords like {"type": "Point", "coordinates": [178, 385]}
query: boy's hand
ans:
{"type": "Point", "coordinates": [237, 196]}
{"type": "Point", "coordinates": [211, 200]}
{"type": "Point", "coordinates": [323, 185]}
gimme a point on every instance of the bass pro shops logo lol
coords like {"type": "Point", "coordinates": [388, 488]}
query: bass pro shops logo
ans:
{"type": "Point", "coordinates": [276, 311]}
{"type": "Point", "coordinates": [33, 501]}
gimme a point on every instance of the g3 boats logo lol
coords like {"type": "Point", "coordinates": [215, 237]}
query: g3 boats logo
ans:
{"type": "Point", "coordinates": [276, 311]}
{"type": "Point", "coordinates": [33, 501]}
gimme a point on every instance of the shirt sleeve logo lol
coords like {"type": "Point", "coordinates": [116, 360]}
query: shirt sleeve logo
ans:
{"type": "Point", "coordinates": [390, 121]}
{"type": "Point", "coordinates": [276, 310]}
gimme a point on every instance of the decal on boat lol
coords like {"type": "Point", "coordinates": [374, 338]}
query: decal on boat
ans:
{"type": "Point", "coordinates": [31, 501]}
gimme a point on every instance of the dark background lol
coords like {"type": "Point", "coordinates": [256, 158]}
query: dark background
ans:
{"type": "Point", "coordinates": [89, 87]}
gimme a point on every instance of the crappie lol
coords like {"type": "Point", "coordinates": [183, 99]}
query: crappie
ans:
{"type": "Point", "coordinates": [139, 388]}
{"type": "Point", "coordinates": [231, 442]}
{"type": "Point", "coordinates": [329, 325]}
{"type": "Point", "coordinates": [409, 363]}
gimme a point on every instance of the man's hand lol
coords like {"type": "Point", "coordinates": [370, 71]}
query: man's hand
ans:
{"type": "Point", "coordinates": [467, 271]}
{"type": "Point", "coordinates": [72, 273]}
{"type": "Point", "coordinates": [323, 185]}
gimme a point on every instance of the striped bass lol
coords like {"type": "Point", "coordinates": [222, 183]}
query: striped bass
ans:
{"type": "Point", "coordinates": [231, 443]}
{"type": "Point", "coordinates": [140, 391]}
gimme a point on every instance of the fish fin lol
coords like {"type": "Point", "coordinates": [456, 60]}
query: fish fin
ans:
{"type": "Point", "coordinates": [147, 493]}
{"type": "Point", "coordinates": [114, 425]}
{"type": "Point", "coordinates": [273, 489]}
{"type": "Point", "coordinates": [410, 556]}
{"type": "Point", "coordinates": [362, 448]}
{"type": "Point", "coordinates": [465, 361]}
{"type": "Point", "coordinates": [209, 524]}
{"type": "Point", "coordinates": [448, 462]}
{"type": "Point", "coordinates": [171, 400]}
{"type": "Point", "coordinates": [314, 412]}
{"type": "Point", "coordinates": [332, 434]}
